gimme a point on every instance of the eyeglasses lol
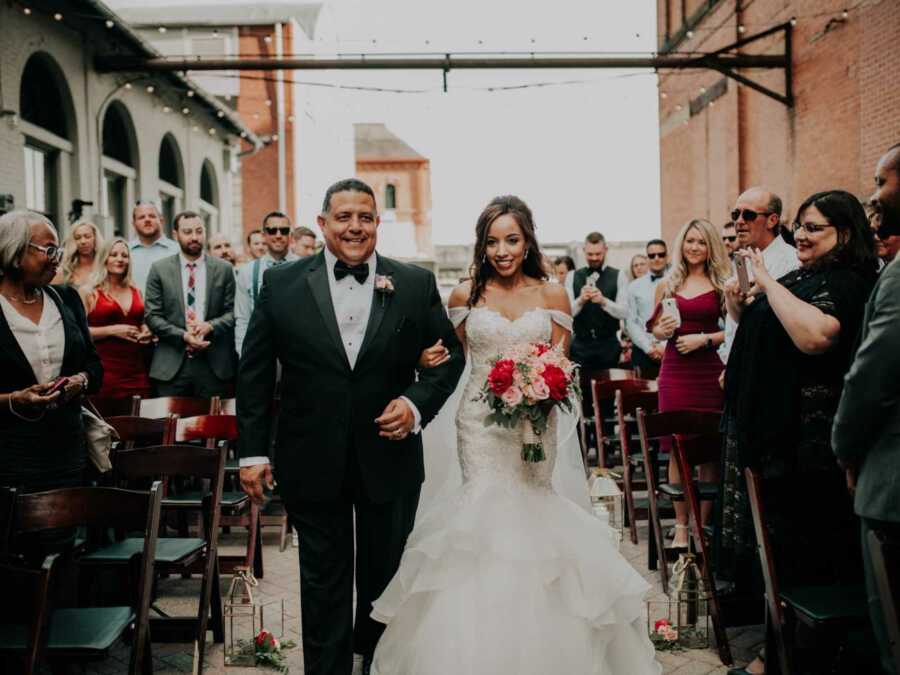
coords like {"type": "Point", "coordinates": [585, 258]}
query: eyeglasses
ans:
{"type": "Point", "coordinates": [748, 214]}
{"type": "Point", "coordinates": [53, 253]}
{"type": "Point", "coordinates": [810, 228]}
{"type": "Point", "coordinates": [653, 256]}
{"type": "Point", "coordinates": [272, 231]}
{"type": "Point", "coordinates": [730, 239]}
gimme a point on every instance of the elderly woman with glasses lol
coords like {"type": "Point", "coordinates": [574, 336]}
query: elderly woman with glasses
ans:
{"type": "Point", "coordinates": [793, 346]}
{"type": "Point", "coordinates": [47, 359]}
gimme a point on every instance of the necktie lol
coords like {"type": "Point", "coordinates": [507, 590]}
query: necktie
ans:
{"type": "Point", "coordinates": [191, 308]}
{"type": "Point", "coordinates": [358, 272]}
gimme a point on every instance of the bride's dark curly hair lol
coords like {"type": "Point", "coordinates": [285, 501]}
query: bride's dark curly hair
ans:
{"type": "Point", "coordinates": [482, 270]}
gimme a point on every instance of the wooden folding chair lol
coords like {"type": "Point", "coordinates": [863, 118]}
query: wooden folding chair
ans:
{"type": "Point", "coordinates": [26, 640]}
{"type": "Point", "coordinates": [116, 406]}
{"type": "Point", "coordinates": [183, 406]}
{"type": "Point", "coordinates": [603, 393]}
{"type": "Point", "coordinates": [137, 432]}
{"type": "Point", "coordinates": [829, 611]}
{"type": "Point", "coordinates": [588, 414]}
{"type": "Point", "coordinates": [653, 428]}
{"type": "Point", "coordinates": [626, 403]}
{"type": "Point", "coordinates": [237, 508]}
{"type": "Point", "coordinates": [692, 451]}
{"type": "Point", "coordinates": [884, 548]}
{"type": "Point", "coordinates": [89, 633]}
{"type": "Point", "coordinates": [186, 555]}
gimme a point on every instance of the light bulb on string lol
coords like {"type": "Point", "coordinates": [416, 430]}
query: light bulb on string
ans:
{"type": "Point", "coordinates": [110, 23]}
{"type": "Point", "coordinates": [27, 11]}
{"type": "Point", "coordinates": [793, 21]}
{"type": "Point", "coordinates": [58, 16]}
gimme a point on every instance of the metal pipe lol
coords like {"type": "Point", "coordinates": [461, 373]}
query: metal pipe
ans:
{"type": "Point", "coordinates": [279, 122]}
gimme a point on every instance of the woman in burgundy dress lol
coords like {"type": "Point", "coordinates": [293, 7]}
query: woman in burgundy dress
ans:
{"type": "Point", "coordinates": [689, 375]}
{"type": "Point", "coordinates": [115, 312]}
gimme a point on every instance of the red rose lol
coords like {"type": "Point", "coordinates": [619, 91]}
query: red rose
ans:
{"type": "Point", "coordinates": [660, 623]}
{"type": "Point", "coordinates": [541, 348]}
{"type": "Point", "coordinates": [501, 376]}
{"type": "Point", "coordinates": [556, 381]}
{"type": "Point", "coordinates": [262, 637]}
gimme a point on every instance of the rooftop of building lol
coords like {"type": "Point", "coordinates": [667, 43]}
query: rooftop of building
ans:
{"type": "Point", "coordinates": [377, 141]}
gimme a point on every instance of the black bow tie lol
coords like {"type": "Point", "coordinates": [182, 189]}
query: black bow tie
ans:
{"type": "Point", "coordinates": [359, 272]}
{"type": "Point", "coordinates": [656, 277]}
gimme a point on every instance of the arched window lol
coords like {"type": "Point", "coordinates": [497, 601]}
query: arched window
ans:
{"type": "Point", "coordinates": [48, 125]}
{"type": "Point", "coordinates": [209, 197]}
{"type": "Point", "coordinates": [171, 180]}
{"type": "Point", "coordinates": [120, 164]}
{"type": "Point", "coordinates": [390, 196]}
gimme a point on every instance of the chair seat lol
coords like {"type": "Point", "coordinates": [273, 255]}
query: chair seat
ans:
{"type": "Point", "coordinates": [88, 629]}
{"type": "Point", "coordinates": [195, 498]}
{"type": "Point", "coordinates": [829, 603]}
{"type": "Point", "coordinates": [168, 550]}
{"type": "Point", "coordinates": [232, 465]}
{"type": "Point", "coordinates": [706, 490]}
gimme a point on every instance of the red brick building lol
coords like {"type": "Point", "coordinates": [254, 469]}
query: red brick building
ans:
{"type": "Point", "coordinates": [718, 138]}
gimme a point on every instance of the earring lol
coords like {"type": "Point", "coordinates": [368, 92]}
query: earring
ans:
{"type": "Point", "coordinates": [526, 253]}
{"type": "Point", "coordinates": [484, 259]}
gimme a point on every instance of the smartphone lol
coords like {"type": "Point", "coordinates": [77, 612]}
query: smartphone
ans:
{"type": "Point", "coordinates": [592, 280]}
{"type": "Point", "coordinates": [670, 307]}
{"type": "Point", "coordinates": [58, 385]}
{"type": "Point", "coordinates": [740, 265]}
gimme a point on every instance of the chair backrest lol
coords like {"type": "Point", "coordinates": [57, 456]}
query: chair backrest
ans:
{"type": "Point", "coordinates": [767, 561]}
{"type": "Point", "coordinates": [118, 406]}
{"type": "Point", "coordinates": [208, 428]}
{"type": "Point", "coordinates": [587, 376]}
{"type": "Point", "coordinates": [696, 449]}
{"type": "Point", "coordinates": [627, 402]}
{"type": "Point", "coordinates": [227, 406]}
{"type": "Point", "coordinates": [7, 505]}
{"type": "Point", "coordinates": [183, 406]}
{"type": "Point", "coordinates": [688, 422]}
{"type": "Point", "coordinates": [885, 552]}
{"type": "Point", "coordinates": [30, 589]}
{"type": "Point", "coordinates": [142, 431]}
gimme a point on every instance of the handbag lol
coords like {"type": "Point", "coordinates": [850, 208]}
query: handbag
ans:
{"type": "Point", "coordinates": [98, 437]}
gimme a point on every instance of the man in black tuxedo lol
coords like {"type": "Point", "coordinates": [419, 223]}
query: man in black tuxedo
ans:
{"type": "Point", "coordinates": [348, 327]}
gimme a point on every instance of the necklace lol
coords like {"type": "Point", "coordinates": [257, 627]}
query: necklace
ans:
{"type": "Point", "coordinates": [37, 296]}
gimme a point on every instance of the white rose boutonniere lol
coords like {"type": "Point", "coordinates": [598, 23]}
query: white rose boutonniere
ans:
{"type": "Point", "coordinates": [384, 286]}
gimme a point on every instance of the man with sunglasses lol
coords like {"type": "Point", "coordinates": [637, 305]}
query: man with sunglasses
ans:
{"type": "Point", "coordinates": [647, 351]}
{"type": "Point", "coordinates": [729, 238]}
{"type": "Point", "coordinates": [757, 222]}
{"type": "Point", "coordinates": [276, 231]}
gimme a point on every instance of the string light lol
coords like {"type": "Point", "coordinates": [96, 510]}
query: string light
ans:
{"type": "Point", "coordinates": [185, 110]}
{"type": "Point", "coordinates": [845, 14]}
{"type": "Point", "coordinates": [128, 85]}
{"type": "Point", "coordinates": [166, 109]}
{"type": "Point", "coordinates": [267, 39]}
{"type": "Point", "coordinates": [274, 137]}
{"type": "Point", "coordinates": [269, 102]}
{"type": "Point", "coordinates": [162, 29]}
{"type": "Point", "coordinates": [702, 90]}
{"type": "Point", "coordinates": [110, 23]}
{"type": "Point", "coordinates": [190, 93]}
{"type": "Point", "coordinates": [243, 134]}
{"type": "Point", "coordinates": [663, 95]}
{"type": "Point", "coordinates": [27, 11]}
{"type": "Point", "coordinates": [793, 21]}
{"type": "Point", "coordinates": [58, 16]}
{"type": "Point", "coordinates": [150, 88]}
{"type": "Point", "coordinates": [742, 29]}
{"type": "Point", "coordinates": [212, 131]}
{"type": "Point", "coordinates": [220, 114]}
{"type": "Point", "coordinates": [690, 34]}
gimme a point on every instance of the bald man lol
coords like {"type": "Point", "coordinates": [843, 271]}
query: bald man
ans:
{"type": "Point", "coordinates": [886, 205]}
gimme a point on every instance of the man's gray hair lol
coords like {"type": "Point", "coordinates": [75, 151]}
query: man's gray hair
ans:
{"type": "Point", "coordinates": [15, 233]}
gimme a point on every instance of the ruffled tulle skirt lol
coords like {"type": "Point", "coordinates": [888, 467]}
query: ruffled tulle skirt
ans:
{"type": "Point", "coordinates": [503, 578]}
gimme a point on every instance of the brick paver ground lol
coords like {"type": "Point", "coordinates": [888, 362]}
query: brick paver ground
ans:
{"type": "Point", "coordinates": [282, 580]}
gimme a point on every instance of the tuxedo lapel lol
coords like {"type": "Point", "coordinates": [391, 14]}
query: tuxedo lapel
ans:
{"type": "Point", "coordinates": [318, 285]}
{"type": "Point", "coordinates": [381, 303]}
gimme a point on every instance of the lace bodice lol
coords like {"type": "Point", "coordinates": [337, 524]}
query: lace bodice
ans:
{"type": "Point", "coordinates": [495, 452]}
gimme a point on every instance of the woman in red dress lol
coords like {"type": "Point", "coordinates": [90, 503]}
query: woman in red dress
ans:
{"type": "Point", "coordinates": [115, 313]}
{"type": "Point", "coordinates": [689, 375]}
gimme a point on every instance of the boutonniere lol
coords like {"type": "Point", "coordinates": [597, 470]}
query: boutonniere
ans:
{"type": "Point", "coordinates": [384, 285]}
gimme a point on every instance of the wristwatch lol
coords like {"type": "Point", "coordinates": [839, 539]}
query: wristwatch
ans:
{"type": "Point", "coordinates": [709, 342]}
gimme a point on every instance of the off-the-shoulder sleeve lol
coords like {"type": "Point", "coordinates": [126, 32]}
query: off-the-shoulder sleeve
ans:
{"type": "Point", "coordinates": [458, 315]}
{"type": "Point", "coordinates": [561, 318]}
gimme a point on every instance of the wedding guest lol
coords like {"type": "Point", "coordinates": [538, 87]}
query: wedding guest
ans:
{"type": "Point", "coordinates": [149, 243]}
{"type": "Point", "coordinates": [864, 435]}
{"type": "Point", "coordinates": [115, 315]}
{"type": "Point", "coordinates": [562, 266]}
{"type": "Point", "coordinates": [79, 250]}
{"type": "Point", "coordinates": [729, 238]}
{"type": "Point", "coordinates": [638, 267]}
{"type": "Point", "coordinates": [689, 375]}
{"type": "Point", "coordinates": [599, 304]}
{"type": "Point", "coordinates": [886, 205]}
{"type": "Point", "coordinates": [757, 221]}
{"type": "Point", "coordinates": [190, 308]}
{"type": "Point", "coordinates": [220, 247]}
{"type": "Point", "coordinates": [303, 241]}
{"type": "Point", "coordinates": [44, 337]}
{"type": "Point", "coordinates": [276, 232]}
{"type": "Point", "coordinates": [256, 244]}
{"type": "Point", "coordinates": [646, 350]}
{"type": "Point", "coordinates": [793, 346]}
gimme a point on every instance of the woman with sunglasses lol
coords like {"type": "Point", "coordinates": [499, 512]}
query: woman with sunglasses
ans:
{"type": "Point", "coordinates": [47, 359]}
{"type": "Point", "coordinates": [793, 346]}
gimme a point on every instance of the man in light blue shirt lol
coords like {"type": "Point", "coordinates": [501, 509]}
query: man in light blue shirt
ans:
{"type": "Point", "coordinates": [276, 231]}
{"type": "Point", "coordinates": [149, 243]}
{"type": "Point", "coordinates": [646, 351]}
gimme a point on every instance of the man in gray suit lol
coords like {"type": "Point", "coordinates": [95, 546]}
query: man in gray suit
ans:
{"type": "Point", "coordinates": [189, 306]}
{"type": "Point", "coordinates": [866, 433]}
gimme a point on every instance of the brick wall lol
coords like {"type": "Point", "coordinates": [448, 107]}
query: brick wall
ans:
{"type": "Point", "coordinates": [844, 116]}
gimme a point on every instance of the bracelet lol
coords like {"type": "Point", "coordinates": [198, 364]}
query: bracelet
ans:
{"type": "Point", "coordinates": [19, 415]}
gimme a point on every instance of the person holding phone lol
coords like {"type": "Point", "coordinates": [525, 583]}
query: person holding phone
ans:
{"type": "Point", "coordinates": [47, 359]}
{"type": "Point", "coordinates": [689, 305]}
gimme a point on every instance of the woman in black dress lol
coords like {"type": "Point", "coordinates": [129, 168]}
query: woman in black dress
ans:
{"type": "Point", "coordinates": [793, 346]}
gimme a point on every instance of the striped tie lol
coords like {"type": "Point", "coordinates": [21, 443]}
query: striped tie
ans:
{"type": "Point", "coordinates": [191, 309]}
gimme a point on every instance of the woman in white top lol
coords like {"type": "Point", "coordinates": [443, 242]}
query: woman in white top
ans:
{"type": "Point", "coordinates": [47, 359]}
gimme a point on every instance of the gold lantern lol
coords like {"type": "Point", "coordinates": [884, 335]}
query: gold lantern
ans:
{"type": "Point", "coordinates": [246, 618]}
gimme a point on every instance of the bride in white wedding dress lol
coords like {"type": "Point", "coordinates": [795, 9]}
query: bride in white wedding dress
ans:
{"type": "Point", "coordinates": [503, 575]}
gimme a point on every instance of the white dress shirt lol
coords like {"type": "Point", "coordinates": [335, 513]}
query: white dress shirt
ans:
{"type": "Point", "coordinates": [352, 303]}
{"type": "Point", "coordinates": [243, 294]}
{"type": "Point", "coordinates": [43, 343]}
{"type": "Point", "coordinates": [780, 258]}
{"type": "Point", "coordinates": [199, 284]}
{"type": "Point", "coordinates": [641, 302]}
{"type": "Point", "coordinates": [617, 308]}
{"type": "Point", "coordinates": [143, 256]}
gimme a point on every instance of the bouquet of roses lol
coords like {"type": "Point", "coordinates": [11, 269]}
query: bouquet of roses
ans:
{"type": "Point", "coordinates": [525, 383]}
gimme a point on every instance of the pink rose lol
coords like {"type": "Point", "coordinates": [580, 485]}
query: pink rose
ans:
{"type": "Point", "coordinates": [539, 389]}
{"type": "Point", "coordinates": [512, 397]}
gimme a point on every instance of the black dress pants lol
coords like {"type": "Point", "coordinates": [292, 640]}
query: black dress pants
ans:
{"type": "Point", "coordinates": [194, 378]}
{"type": "Point", "coordinates": [327, 541]}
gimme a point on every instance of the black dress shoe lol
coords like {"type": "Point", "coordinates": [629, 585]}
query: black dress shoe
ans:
{"type": "Point", "coordinates": [367, 665]}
